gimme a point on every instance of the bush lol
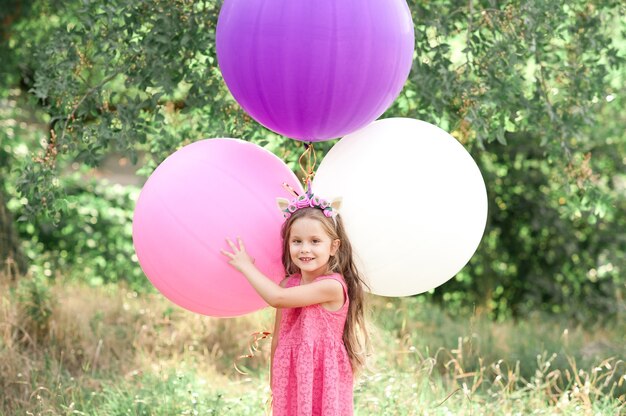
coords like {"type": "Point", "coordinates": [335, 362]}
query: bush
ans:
{"type": "Point", "coordinates": [92, 241]}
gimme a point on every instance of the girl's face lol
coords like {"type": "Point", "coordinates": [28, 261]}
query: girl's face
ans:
{"type": "Point", "coordinates": [310, 247]}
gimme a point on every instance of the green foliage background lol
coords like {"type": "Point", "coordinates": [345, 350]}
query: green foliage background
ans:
{"type": "Point", "coordinates": [533, 89]}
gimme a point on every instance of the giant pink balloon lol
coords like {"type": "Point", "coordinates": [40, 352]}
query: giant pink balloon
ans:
{"type": "Point", "coordinates": [315, 70]}
{"type": "Point", "coordinates": [201, 194]}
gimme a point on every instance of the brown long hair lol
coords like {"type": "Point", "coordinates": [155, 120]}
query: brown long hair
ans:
{"type": "Point", "coordinates": [355, 335]}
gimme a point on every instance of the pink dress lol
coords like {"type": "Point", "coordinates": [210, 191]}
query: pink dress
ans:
{"type": "Point", "coordinates": [311, 370]}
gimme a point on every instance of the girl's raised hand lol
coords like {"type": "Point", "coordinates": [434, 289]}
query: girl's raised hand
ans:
{"type": "Point", "coordinates": [239, 258]}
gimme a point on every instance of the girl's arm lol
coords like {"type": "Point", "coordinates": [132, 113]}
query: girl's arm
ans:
{"type": "Point", "coordinates": [324, 291]}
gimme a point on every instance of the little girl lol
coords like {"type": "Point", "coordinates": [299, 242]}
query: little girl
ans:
{"type": "Point", "coordinates": [319, 340]}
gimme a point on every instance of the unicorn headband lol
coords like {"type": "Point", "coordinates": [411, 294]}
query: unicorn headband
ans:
{"type": "Point", "coordinates": [307, 200]}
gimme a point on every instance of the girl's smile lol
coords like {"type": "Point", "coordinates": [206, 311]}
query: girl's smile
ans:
{"type": "Point", "coordinates": [310, 247]}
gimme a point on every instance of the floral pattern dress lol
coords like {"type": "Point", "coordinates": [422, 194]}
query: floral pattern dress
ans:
{"type": "Point", "coordinates": [311, 371]}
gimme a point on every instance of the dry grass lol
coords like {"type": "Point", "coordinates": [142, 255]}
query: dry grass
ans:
{"type": "Point", "coordinates": [92, 334]}
{"type": "Point", "coordinates": [457, 363]}
{"type": "Point", "coordinates": [69, 346]}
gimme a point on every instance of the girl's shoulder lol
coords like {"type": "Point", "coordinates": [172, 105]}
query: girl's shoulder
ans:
{"type": "Point", "coordinates": [294, 279]}
{"type": "Point", "coordinates": [333, 276]}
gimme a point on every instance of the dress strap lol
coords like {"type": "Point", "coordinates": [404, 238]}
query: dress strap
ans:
{"type": "Point", "coordinates": [292, 280]}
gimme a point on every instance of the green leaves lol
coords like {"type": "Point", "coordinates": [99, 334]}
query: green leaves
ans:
{"type": "Point", "coordinates": [524, 85]}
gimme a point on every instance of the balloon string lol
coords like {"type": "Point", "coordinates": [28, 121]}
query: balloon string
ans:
{"type": "Point", "coordinates": [253, 347]}
{"type": "Point", "coordinates": [307, 161]}
{"type": "Point", "coordinates": [289, 189]}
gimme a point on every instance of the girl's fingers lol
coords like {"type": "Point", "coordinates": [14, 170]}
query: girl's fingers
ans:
{"type": "Point", "coordinates": [231, 244]}
{"type": "Point", "coordinates": [241, 246]}
{"type": "Point", "coordinates": [227, 254]}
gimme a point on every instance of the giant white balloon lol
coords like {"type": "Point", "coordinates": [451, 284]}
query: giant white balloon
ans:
{"type": "Point", "coordinates": [414, 203]}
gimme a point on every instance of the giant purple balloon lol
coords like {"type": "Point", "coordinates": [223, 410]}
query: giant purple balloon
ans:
{"type": "Point", "coordinates": [315, 70]}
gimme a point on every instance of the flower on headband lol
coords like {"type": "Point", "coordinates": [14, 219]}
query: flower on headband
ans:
{"type": "Point", "coordinates": [315, 201]}
{"type": "Point", "coordinates": [303, 201]}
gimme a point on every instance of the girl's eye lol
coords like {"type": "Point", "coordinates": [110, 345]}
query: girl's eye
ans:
{"type": "Point", "coordinates": [295, 241]}
{"type": "Point", "coordinates": [316, 241]}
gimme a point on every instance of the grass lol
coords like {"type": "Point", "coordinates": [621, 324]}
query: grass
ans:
{"type": "Point", "coordinates": [70, 349]}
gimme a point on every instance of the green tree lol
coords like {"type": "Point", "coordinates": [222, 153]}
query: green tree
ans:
{"type": "Point", "coordinates": [11, 253]}
{"type": "Point", "coordinates": [523, 84]}
{"type": "Point", "coordinates": [534, 89]}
